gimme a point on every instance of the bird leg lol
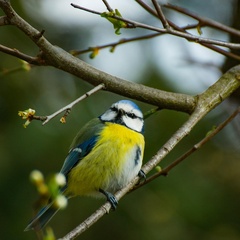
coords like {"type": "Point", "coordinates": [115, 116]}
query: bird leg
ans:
{"type": "Point", "coordinates": [110, 198]}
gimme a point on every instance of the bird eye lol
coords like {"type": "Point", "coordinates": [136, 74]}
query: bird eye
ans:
{"type": "Point", "coordinates": [131, 115]}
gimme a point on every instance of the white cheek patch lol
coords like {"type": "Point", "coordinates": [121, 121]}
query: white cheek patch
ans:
{"type": "Point", "coordinates": [135, 124]}
{"type": "Point", "coordinates": [137, 113]}
{"type": "Point", "coordinates": [125, 113]}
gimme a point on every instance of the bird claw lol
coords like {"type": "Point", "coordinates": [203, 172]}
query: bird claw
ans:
{"type": "Point", "coordinates": [110, 198]}
{"type": "Point", "coordinates": [142, 176]}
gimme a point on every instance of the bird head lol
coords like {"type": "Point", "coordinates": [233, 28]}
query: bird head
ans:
{"type": "Point", "coordinates": [125, 113]}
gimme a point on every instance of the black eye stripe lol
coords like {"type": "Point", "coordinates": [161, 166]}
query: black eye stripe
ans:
{"type": "Point", "coordinates": [114, 109]}
{"type": "Point", "coordinates": [131, 115]}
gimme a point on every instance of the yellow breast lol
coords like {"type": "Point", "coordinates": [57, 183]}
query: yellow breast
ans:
{"type": "Point", "coordinates": [113, 162]}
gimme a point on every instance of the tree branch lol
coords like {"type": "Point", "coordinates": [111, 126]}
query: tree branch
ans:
{"type": "Point", "coordinates": [198, 106]}
{"type": "Point", "coordinates": [57, 57]}
{"type": "Point", "coordinates": [207, 101]}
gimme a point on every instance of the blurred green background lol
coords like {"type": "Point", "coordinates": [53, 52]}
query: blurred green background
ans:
{"type": "Point", "coordinates": [200, 197]}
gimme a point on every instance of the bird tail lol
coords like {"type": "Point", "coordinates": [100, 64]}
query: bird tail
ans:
{"type": "Point", "coordinates": [42, 218]}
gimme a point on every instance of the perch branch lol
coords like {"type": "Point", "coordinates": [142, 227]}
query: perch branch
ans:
{"type": "Point", "coordinates": [199, 106]}
{"type": "Point", "coordinates": [207, 101]}
{"type": "Point", "coordinates": [196, 147]}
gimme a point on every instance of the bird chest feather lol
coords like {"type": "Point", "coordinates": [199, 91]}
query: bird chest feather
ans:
{"type": "Point", "coordinates": [113, 162]}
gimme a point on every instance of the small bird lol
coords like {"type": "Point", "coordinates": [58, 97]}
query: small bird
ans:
{"type": "Point", "coordinates": [104, 157]}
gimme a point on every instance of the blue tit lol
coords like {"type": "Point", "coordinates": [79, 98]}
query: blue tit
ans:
{"type": "Point", "coordinates": [104, 157]}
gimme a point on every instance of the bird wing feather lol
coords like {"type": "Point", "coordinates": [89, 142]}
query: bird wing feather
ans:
{"type": "Point", "coordinates": [82, 144]}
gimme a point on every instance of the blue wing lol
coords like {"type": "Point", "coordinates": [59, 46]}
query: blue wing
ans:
{"type": "Point", "coordinates": [82, 146]}
{"type": "Point", "coordinates": [76, 154]}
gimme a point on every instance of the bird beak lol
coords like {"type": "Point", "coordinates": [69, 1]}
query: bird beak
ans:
{"type": "Point", "coordinates": [120, 113]}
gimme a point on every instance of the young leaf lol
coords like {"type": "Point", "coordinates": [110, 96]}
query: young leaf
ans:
{"type": "Point", "coordinates": [117, 24]}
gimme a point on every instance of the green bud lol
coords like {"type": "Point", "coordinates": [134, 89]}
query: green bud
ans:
{"type": "Point", "coordinates": [60, 179]}
{"type": "Point", "coordinates": [36, 177]}
{"type": "Point", "coordinates": [158, 168]}
{"type": "Point", "coordinates": [60, 202]}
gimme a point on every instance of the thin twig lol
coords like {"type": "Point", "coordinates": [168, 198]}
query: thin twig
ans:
{"type": "Point", "coordinates": [210, 46]}
{"type": "Point", "coordinates": [70, 106]}
{"type": "Point", "coordinates": [160, 14]}
{"type": "Point", "coordinates": [209, 22]}
{"type": "Point", "coordinates": [20, 55]}
{"type": "Point", "coordinates": [85, 9]}
{"type": "Point", "coordinates": [4, 21]}
{"type": "Point", "coordinates": [147, 8]}
{"type": "Point", "coordinates": [107, 6]}
{"type": "Point", "coordinates": [182, 29]}
{"type": "Point", "coordinates": [115, 44]}
{"type": "Point", "coordinates": [204, 21]}
{"type": "Point", "coordinates": [222, 51]}
{"type": "Point", "coordinates": [185, 35]}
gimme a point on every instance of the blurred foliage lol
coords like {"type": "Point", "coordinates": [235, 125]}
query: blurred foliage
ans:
{"type": "Point", "coordinates": [198, 200]}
